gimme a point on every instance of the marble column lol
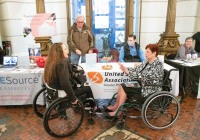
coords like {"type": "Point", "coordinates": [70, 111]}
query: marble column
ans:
{"type": "Point", "coordinates": [169, 42]}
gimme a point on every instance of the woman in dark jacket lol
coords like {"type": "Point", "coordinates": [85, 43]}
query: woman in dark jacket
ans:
{"type": "Point", "coordinates": [58, 75]}
{"type": "Point", "coordinates": [56, 72]}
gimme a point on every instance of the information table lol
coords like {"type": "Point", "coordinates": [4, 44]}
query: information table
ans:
{"type": "Point", "coordinates": [104, 83]}
{"type": "Point", "coordinates": [188, 72]}
{"type": "Point", "coordinates": [18, 86]}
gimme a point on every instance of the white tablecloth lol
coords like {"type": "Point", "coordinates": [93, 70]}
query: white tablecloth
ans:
{"type": "Point", "coordinates": [104, 83]}
{"type": "Point", "coordinates": [18, 86]}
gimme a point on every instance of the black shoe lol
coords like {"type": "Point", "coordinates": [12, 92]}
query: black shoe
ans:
{"type": "Point", "coordinates": [76, 107]}
{"type": "Point", "coordinates": [107, 116]}
{"type": "Point", "coordinates": [106, 109]}
{"type": "Point", "coordinates": [98, 110]}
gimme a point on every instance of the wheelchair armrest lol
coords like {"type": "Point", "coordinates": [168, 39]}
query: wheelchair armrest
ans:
{"type": "Point", "coordinates": [154, 85]}
{"type": "Point", "coordinates": [157, 85]}
{"type": "Point", "coordinates": [50, 88]}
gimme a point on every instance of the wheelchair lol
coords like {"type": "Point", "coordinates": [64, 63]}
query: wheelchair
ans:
{"type": "Point", "coordinates": [60, 117]}
{"type": "Point", "coordinates": [158, 110]}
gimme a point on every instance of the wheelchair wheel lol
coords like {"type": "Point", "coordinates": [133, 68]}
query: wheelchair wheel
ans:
{"type": "Point", "coordinates": [91, 121]}
{"type": "Point", "coordinates": [120, 125]}
{"type": "Point", "coordinates": [160, 110]}
{"type": "Point", "coordinates": [40, 103]}
{"type": "Point", "coordinates": [67, 120]}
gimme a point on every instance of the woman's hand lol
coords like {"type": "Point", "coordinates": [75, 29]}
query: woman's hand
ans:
{"type": "Point", "coordinates": [75, 102]}
{"type": "Point", "coordinates": [137, 64]}
{"type": "Point", "coordinates": [123, 68]}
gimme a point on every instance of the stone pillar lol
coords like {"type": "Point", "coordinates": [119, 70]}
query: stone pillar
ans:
{"type": "Point", "coordinates": [129, 18]}
{"type": "Point", "coordinates": [45, 44]}
{"type": "Point", "coordinates": [88, 17]}
{"type": "Point", "coordinates": [45, 41]}
{"type": "Point", "coordinates": [169, 42]}
{"type": "Point", "coordinates": [40, 6]}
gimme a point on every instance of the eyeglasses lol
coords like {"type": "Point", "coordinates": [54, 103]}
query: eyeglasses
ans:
{"type": "Point", "coordinates": [80, 21]}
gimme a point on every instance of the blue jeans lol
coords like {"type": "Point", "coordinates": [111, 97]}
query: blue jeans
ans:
{"type": "Point", "coordinates": [75, 58]}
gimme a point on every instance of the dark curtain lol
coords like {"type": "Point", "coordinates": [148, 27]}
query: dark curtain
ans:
{"type": "Point", "coordinates": [196, 37]}
{"type": "Point", "coordinates": [1, 55]}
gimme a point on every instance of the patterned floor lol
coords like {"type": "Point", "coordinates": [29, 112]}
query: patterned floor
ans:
{"type": "Point", "coordinates": [114, 134]}
{"type": "Point", "coordinates": [20, 123]}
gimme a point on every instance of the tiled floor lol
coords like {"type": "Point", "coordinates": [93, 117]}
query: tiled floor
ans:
{"type": "Point", "coordinates": [20, 123]}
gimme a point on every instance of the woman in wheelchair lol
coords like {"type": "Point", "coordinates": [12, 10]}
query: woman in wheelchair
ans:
{"type": "Point", "coordinates": [57, 72]}
{"type": "Point", "coordinates": [150, 72]}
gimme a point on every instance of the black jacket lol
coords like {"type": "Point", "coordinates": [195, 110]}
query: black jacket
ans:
{"type": "Point", "coordinates": [128, 57]}
{"type": "Point", "coordinates": [61, 79]}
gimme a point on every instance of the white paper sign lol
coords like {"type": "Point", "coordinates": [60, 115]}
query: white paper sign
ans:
{"type": "Point", "coordinates": [91, 59]}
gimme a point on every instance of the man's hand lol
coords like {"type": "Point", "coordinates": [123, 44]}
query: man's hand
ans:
{"type": "Point", "coordinates": [78, 52]}
{"type": "Point", "coordinates": [123, 68]}
{"type": "Point", "coordinates": [90, 51]}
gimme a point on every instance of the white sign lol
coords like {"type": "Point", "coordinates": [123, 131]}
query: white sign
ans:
{"type": "Point", "coordinates": [19, 88]}
{"type": "Point", "coordinates": [101, 22]}
{"type": "Point", "coordinates": [91, 59]}
{"type": "Point", "coordinates": [104, 83]}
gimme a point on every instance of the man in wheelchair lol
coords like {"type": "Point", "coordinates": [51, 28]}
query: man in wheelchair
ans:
{"type": "Point", "coordinates": [148, 73]}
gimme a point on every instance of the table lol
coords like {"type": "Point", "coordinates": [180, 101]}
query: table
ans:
{"type": "Point", "coordinates": [188, 72]}
{"type": "Point", "coordinates": [18, 86]}
{"type": "Point", "coordinates": [104, 83]}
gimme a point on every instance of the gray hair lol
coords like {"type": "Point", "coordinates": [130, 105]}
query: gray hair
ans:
{"type": "Point", "coordinates": [80, 16]}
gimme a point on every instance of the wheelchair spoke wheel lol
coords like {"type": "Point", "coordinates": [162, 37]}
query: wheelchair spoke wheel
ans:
{"type": "Point", "coordinates": [120, 125]}
{"type": "Point", "coordinates": [40, 103]}
{"type": "Point", "coordinates": [67, 120]}
{"type": "Point", "coordinates": [160, 110]}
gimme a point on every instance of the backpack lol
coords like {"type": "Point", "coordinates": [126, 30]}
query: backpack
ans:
{"type": "Point", "coordinates": [78, 77]}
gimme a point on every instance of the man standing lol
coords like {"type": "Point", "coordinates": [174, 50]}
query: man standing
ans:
{"type": "Point", "coordinates": [131, 51]}
{"type": "Point", "coordinates": [80, 40]}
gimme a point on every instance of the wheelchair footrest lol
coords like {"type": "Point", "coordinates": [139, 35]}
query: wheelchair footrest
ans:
{"type": "Point", "coordinates": [134, 117]}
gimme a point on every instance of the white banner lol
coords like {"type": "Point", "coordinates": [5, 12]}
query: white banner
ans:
{"type": "Point", "coordinates": [19, 88]}
{"type": "Point", "coordinates": [104, 83]}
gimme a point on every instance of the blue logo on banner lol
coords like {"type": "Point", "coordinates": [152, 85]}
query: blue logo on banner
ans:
{"type": "Point", "coordinates": [9, 80]}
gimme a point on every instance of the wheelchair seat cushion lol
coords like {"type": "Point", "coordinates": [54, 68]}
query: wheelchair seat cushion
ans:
{"type": "Point", "coordinates": [132, 91]}
{"type": "Point", "coordinates": [85, 90]}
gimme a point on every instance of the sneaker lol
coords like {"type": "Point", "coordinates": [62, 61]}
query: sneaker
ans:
{"type": "Point", "coordinates": [76, 107]}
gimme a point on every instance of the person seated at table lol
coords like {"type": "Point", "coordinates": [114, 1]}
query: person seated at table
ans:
{"type": "Point", "coordinates": [131, 51]}
{"type": "Point", "coordinates": [185, 49]}
{"type": "Point", "coordinates": [57, 71]}
{"type": "Point", "coordinates": [150, 72]}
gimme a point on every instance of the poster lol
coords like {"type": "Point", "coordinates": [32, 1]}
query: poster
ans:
{"type": "Point", "coordinates": [34, 53]}
{"type": "Point", "coordinates": [101, 6]}
{"type": "Point", "coordinates": [101, 22]}
{"type": "Point", "coordinates": [39, 25]}
{"type": "Point", "coordinates": [119, 36]}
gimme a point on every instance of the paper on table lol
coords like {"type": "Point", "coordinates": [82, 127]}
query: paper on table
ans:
{"type": "Point", "coordinates": [177, 61]}
{"type": "Point", "coordinates": [18, 70]}
{"type": "Point", "coordinates": [191, 64]}
{"type": "Point", "coordinates": [37, 70]}
{"type": "Point", "coordinates": [91, 59]}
